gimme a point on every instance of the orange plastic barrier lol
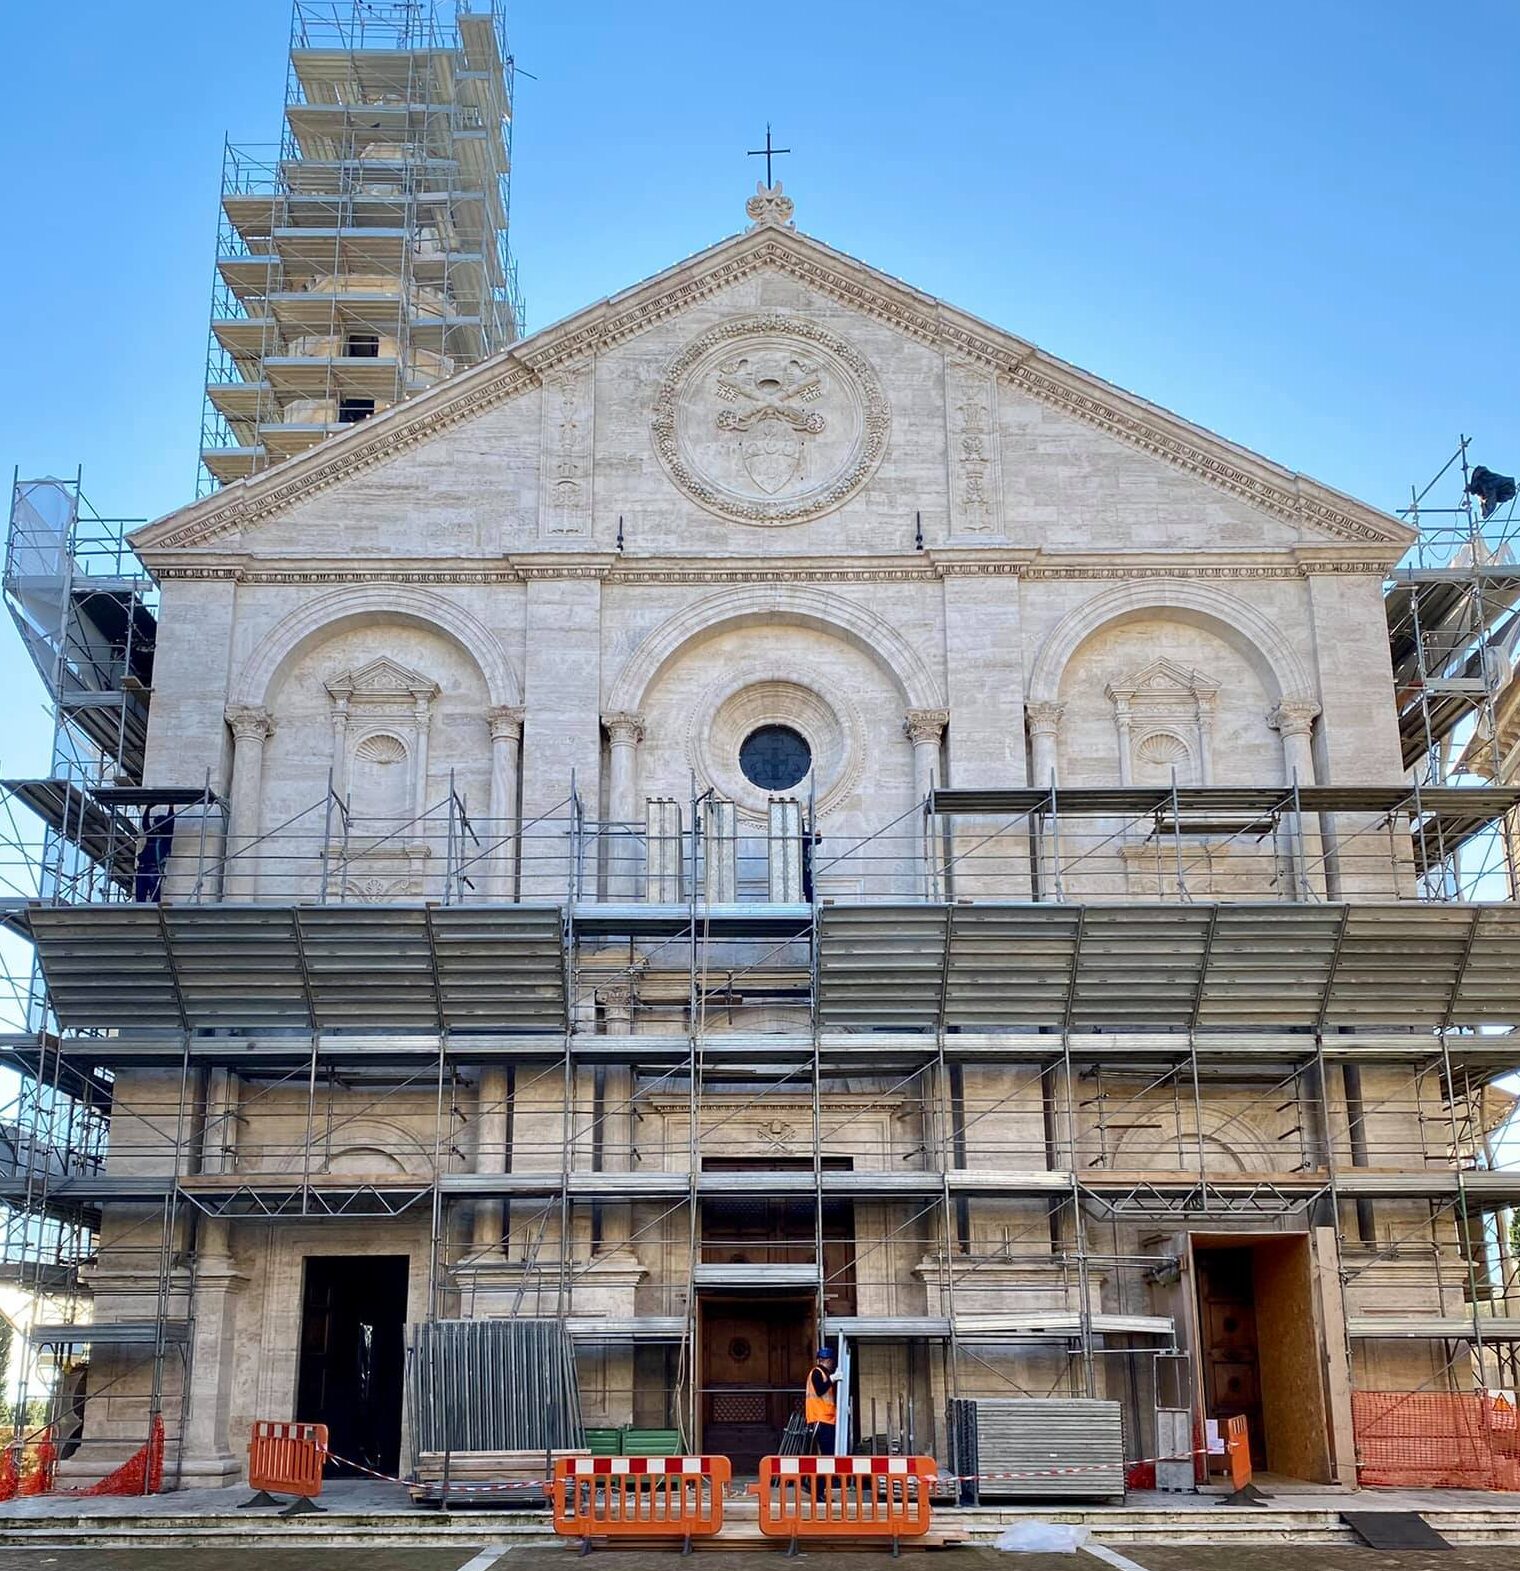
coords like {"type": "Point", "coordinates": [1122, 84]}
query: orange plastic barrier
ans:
{"type": "Point", "coordinates": [1237, 1447]}
{"type": "Point", "coordinates": [287, 1459]}
{"type": "Point", "coordinates": [639, 1497]}
{"type": "Point", "coordinates": [1435, 1440]}
{"type": "Point", "coordinates": [845, 1496]}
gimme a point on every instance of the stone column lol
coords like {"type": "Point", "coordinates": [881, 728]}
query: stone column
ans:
{"type": "Point", "coordinates": [1044, 720]}
{"type": "Point", "coordinates": [506, 725]}
{"type": "Point", "coordinates": [1044, 726]}
{"type": "Point", "coordinates": [420, 764]}
{"type": "Point", "coordinates": [208, 1458]}
{"type": "Point", "coordinates": [624, 733]}
{"type": "Point", "coordinates": [490, 1157]}
{"type": "Point", "coordinates": [664, 852]}
{"type": "Point", "coordinates": [340, 746]}
{"type": "Point", "coordinates": [251, 728]}
{"type": "Point", "coordinates": [616, 999]}
{"type": "Point", "coordinates": [924, 728]}
{"type": "Point", "coordinates": [1293, 718]}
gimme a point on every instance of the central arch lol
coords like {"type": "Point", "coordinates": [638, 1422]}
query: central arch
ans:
{"type": "Point", "coordinates": [786, 604]}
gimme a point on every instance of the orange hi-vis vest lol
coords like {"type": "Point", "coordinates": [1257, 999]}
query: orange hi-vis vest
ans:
{"type": "Point", "coordinates": [818, 1409]}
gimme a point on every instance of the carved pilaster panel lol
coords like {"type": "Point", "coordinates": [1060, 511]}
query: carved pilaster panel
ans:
{"type": "Point", "coordinates": [566, 447]}
{"type": "Point", "coordinates": [976, 475]}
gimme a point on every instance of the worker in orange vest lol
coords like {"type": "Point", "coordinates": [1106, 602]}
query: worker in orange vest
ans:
{"type": "Point", "coordinates": [820, 1405]}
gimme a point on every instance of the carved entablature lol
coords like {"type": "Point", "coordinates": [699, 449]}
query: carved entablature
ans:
{"type": "Point", "coordinates": [1164, 716]}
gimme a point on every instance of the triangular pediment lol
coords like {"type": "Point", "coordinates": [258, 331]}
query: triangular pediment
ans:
{"type": "Point", "coordinates": [1162, 675]}
{"type": "Point", "coordinates": [382, 678]}
{"type": "Point", "coordinates": [1315, 510]}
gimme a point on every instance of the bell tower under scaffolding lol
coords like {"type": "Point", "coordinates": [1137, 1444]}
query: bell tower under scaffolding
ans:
{"type": "Point", "coordinates": [364, 258]}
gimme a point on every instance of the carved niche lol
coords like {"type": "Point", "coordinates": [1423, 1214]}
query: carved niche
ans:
{"type": "Point", "coordinates": [380, 715]}
{"type": "Point", "coordinates": [770, 420]}
{"type": "Point", "coordinates": [1164, 716]}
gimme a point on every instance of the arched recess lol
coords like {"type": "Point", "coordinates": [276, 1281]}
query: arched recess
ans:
{"type": "Point", "coordinates": [778, 603]}
{"type": "Point", "coordinates": [319, 619]}
{"type": "Point", "coordinates": [1240, 625]}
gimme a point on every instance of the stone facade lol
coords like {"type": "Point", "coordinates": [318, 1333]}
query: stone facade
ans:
{"type": "Point", "coordinates": [770, 487]}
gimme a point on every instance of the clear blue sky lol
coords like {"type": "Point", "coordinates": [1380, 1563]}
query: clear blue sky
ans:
{"type": "Point", "coordinates": [1294, 223]}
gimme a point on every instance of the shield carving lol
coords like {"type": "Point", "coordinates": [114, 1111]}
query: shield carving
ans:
{"type": "Point", "coordinates": [771, 451]}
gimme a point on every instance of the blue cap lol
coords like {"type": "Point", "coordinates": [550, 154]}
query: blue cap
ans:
{"type": "Point", "coordinates": [824, 1352]}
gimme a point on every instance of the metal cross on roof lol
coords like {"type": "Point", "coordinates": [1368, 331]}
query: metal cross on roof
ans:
{"type": "Point", "coordinates": [767, 153]}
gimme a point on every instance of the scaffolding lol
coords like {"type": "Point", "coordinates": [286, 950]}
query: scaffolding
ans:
{"type": "Point", "coordinates": [1002, 1055]}
{"type": "Point", "coordinates": [1026, 1084]}
{"type": "Point", "coordinates": [86, 612]}
{"type": "Point", "coordinates": [364, 258]}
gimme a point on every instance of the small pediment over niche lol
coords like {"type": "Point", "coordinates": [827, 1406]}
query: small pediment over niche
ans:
{"type": "Point", "coordinates": [1163, 676]}
{"type": "Point", "coordinates": [382, 678]}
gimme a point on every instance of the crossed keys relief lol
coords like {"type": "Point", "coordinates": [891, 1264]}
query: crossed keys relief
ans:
{"type": "Point", "coordinates": [770, 426]}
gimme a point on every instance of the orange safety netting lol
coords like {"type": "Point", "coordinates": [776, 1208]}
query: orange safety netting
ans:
{"type": "Point", "coordinates": [141, 1474]}
{"type": "Point", "coordinates": [1436, 1440]}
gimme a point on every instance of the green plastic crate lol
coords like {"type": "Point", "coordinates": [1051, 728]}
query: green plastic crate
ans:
{"type": "Point", "coordinates": [651, 1442]}
{"type": "Point", "coordinates": [604, 1442]}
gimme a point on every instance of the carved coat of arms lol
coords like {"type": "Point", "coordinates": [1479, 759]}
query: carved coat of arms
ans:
{"type": "Point", "coordinates": [766, 417]}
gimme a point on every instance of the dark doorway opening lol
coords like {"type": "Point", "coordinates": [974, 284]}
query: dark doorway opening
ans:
{"type": "Point", "coordinates": [756, 1352]}
{"type": "Point", "coordinates": [757, 1344]}
{"type": "Point", "coordinates": [1231, 1359]}
{"type": "Point", "coordinates": [353, 1318]}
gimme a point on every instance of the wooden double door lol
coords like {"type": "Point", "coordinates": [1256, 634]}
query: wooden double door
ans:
{"type": "Point", "coordinates": [756, 1353]}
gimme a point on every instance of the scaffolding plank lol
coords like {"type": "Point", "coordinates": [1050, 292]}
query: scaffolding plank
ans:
{"type": "Point", "coordinates": [369, 966]}
{"type": "Point", "coordinates": [106, 966]}
{"type": "Point", "coordinates": [500, 967]}
{"type": "Point", "coordinates": [237, 967]}
{"type": "Point", "coordinates": [881, 966]}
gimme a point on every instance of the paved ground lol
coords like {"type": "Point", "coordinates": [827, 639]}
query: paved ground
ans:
{"type": "Point", "coordinates": [497, 1557]}
{"type": "Point", "coordinates": [1316, 1557]}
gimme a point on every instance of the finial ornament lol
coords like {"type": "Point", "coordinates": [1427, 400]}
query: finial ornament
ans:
{"type": "Point", "coordinates": [770, 205]}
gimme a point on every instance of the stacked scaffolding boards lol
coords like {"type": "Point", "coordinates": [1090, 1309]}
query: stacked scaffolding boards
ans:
{"type": "Point", "coordinates": [365, 257]}
{"type": "Point", "coordinates": [1038, 1448]}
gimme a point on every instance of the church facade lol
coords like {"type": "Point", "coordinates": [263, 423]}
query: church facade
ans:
{"type": "Point", "coordinates": [653, 741]}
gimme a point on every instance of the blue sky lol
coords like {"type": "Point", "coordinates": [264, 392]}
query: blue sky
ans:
{"type": "Point", "coordinates": [1294, 223]}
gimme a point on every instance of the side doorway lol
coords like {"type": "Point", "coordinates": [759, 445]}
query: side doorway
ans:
{"type": "Point", "coordinates": [350, 1377]}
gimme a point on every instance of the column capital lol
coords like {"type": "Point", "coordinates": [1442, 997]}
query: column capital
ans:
{"type": "Point", "coordinates": [1294, 715]}
{"type": "Point", "coordinates": [925, 725]}
{"type": "Point", "coordinates": [506, 722]}
{"type": "Point", "coordinates": [624, 728]}
{"type": "Point", "coordinates": [615, 995]}
{"type": "Point", "coordinates": [1044, 717]}
{"type": "Point", "coordinates": [250, 720]}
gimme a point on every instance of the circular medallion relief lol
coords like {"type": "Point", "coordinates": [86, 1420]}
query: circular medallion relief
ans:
{"type": "Point", "coordinates": [770, 420]}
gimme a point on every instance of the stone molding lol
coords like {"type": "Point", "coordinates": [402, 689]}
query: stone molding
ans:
{"type": "Point", "coordinates": [830, 614]}
{"type": "Point", "coordinates": [326, 615]}
{"type": "Point", "coordinates": [768, 692]}
{"type": "Point", "coordinates": [1244, 626]}
{"type": "Point", "coordinates": [1278, 491]}
{"type": "Point", "coordinates": [821, 573]}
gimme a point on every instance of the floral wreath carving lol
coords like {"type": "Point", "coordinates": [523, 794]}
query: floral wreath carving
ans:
{"type": "Point", "coordinates": [876, 422]}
